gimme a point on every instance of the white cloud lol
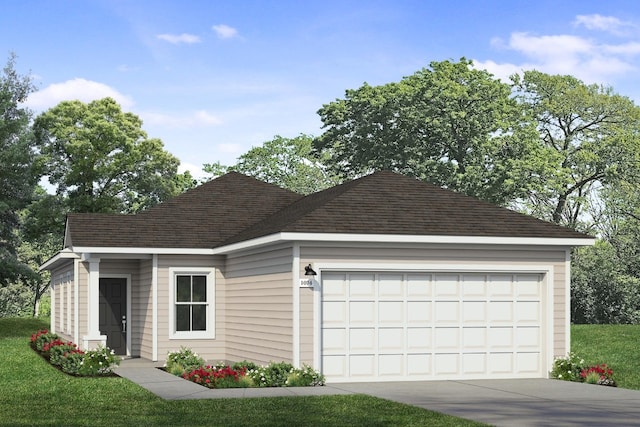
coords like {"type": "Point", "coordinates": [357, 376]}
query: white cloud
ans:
{"type": "Point", "coordinates": [195, 119]}
{"type": "Point", "coordinates": [609, 24]}
{"type": "Point", "coordinates": [500, 71]}
{"type": "Point", "coordinates": [76, 89]}
{"type": "Point", "coordinates": [564, 54]}
{"type": "Point", "coordinates": [196, 171]}
{"type": "Point", "coordinates": [224, 31]}
{"type": "Point", "coordinates": [183, 38]}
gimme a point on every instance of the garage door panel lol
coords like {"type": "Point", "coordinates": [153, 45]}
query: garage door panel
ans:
{"type": "Point", "coordinates": [391, 339]}
{"type": "Point", "coordinates": [528, 312]}
{"type": "Point", "coordinates": [500, 363]}
{"type": "Point", "coordinates": [334, 366]}
{"type": "Point", "coordinates": [527, 363]}
{"type": "Point", "coordinates": [474, 363]}
{"type": "Point", "coordinates": [362, 285]}
{"type": "Point", "coordinates": [447, 339]}
{"type": "Point", "coordinates": [446, 364]}
{"type": "Point", "coordinates": [418, 286]}
{"type": "Point", "coordinates": [474, 312]}
{"type": "Point", "coordinates": [474, 339]}
{"type": "Point", "coordinates": [362, 313]}
{"type": "Point", "coordinates": [362, 340]}
{"type": "Point", "coordinates": [334, 340]}
{"type": "Point", "coordinates": [446, 285]}
{"type": "Point", "coordinates": [418, 339]}
{"type": "Point", "coordinates": [447, 312]}
{"type": "Point", "coordinates": [362, 365]}
{"type": "Point", "coordinates": [334, 286]}
{"type": "Point", "coordinates": [500, 312]}
{"type": "Point", "coordinates": [391, 365]}
{"type": "Point", "coordinates": [432, 325]}
{"type": "Point", "coordinates": [418, 312]}
{"type": "Point", "coordinates": [419, 364]}
{"type": "Point", "coordinates": [391, 286]}
{"type": "Point", "coordinates": [391, 313]}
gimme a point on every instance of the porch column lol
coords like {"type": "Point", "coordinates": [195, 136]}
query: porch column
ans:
{"type": "Point", "coordinates": [93, 337]}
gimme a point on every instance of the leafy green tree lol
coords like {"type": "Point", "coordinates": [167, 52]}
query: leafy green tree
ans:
{"type": "Point", "coordinates": [287, 162]}
{"type": "Point", "coordinates": [451, 125]}
{"type": "Point", "coordinates": [17, 175]}
{"type": "Point", "coordinates": [601, 291]}
{"type": "Point", "coordinates": [589, 135]}
{"type": "Point", "coordinates": [101, 160]}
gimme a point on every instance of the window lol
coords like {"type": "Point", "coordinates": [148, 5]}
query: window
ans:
{"type": "Point", "coordinates": [192, 300]}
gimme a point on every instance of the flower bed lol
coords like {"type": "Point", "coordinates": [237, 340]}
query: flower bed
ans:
{"type": "Point", "coordinates": [66, 356]}
{"type": "Point", "coordinates": [188, 365]}
{"type": "Point", "coordinates": [574, 368]}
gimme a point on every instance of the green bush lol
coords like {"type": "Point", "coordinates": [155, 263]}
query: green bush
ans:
{"type": "Point", "coordinates": [305, 377]}
{"type": "Point", "coordinates": [183, 360]}
{"type": "Point", "coordinates": [568, 368]}
{"type": "Point", "coordinates": [100, 361]}
{"type": "Point", "coordinates": [42, 337]}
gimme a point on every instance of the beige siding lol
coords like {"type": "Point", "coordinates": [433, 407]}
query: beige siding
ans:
{"type": "Point", "coordinates": [272, 260]}
{"type": "Point", "coordinates": [210, 349]}
{"type": "Point", "coordinates": [62, 318]}
{"type": "Point", "coordinates": [260, 318]}
{"type": "Point", "coordinates": [306, 325]}
{"type": "Point", "coordinates": [83, 299]}
{"type": "Point", "coordinates": [446, 255]}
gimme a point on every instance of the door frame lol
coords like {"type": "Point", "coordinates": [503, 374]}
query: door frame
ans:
{"type": "Point", "coordinates": [127, 278]}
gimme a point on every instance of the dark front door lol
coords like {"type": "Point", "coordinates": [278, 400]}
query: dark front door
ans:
{"type": "Point", "coordinates": [113, 313]}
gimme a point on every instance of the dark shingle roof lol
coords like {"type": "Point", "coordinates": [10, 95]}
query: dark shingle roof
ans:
{"type": "Point", "coordinates": [236, 208]}
{"type": "Point", "coordinates": [389, 203]}
{"type": "Point", "coordinates": [200, 218]}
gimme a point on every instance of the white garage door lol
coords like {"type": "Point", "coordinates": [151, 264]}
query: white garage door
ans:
{"type": "Point", "coordinates": [417, 326]}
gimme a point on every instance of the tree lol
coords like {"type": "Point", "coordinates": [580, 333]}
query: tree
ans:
{"type": "Point", "coordinates": [451, 125]}
{"type": "Point", "coordinates": [17, 175]}
{"type": "Point", "coordinates": [101, 160]}
{"type": "Point", "coordinates": [590, 136]}
{"type": "Point", "coordinates": [286, 162]}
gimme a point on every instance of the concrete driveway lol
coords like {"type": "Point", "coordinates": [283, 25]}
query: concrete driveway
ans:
{"type": "Point", "coordinates": [528, 402]}
{"type": "Point", "coordinates": [522, 402]}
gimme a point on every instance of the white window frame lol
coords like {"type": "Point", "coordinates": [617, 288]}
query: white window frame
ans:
{"type": "Point", "coordinates": [209, 333]}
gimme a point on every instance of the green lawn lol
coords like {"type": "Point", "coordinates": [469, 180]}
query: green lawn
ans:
{"type": "Point", "coordinates": [615, 345]}
{"type": "Point", "coordinates": [34, 393]}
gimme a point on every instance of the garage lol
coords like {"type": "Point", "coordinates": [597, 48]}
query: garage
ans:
{"type": "Point", "coordinates": [389, 325]}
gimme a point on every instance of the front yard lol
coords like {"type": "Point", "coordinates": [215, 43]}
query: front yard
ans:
{"type": "Point", "coordinates": [32, 392]}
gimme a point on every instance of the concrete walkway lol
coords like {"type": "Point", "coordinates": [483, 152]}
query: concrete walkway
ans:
{"type": "Point", "coordinates": [535, 402]}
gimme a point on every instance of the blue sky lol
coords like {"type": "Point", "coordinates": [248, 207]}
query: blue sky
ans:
{"type": "Point", "coordinates": [211, 79]}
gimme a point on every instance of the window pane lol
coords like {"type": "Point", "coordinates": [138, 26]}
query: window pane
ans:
{"type": "Point", "coordinates": [199, 288]}
{"type": "Point", "coordinates": [183, 317]}
{"type": "Point", "coordinates": [199, 317]}
{"type": "Point", "coordinates": [183, 288]}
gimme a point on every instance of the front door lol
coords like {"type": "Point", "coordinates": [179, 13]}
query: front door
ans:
{"type": "Point", "coordinates": [113, 313]}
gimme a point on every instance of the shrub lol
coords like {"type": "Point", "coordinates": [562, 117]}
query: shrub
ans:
{"type": "Point", "coordinates": [100, 361]}
{"type": "Point", "coordinates": [183, 360]}
{"type": "Point", "coordinates": [72, 363]}
{"type": "Point", "coordinates": [42, 337]}
{"type": "Point", "coordinates": [305, 377]}
{"type": "Point", "coordinates": [598, 374]}
{"type": "Point", "coordinates": [567, 368]}
{"type": "Point", "coordinates": [217, 377]}
{"type": "Point", "coordinates": [55, 350]}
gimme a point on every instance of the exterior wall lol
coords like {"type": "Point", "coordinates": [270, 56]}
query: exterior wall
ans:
{"type": "Point", "coordinates": [210, 349]}
{"type": "Point", "coordinates": [63, 302]}
{"type": "Point", "coordinates": [259, 303]}
{"type": "Point", "coordinates": [445, 255]}
{"type": "Point", "coordinates": [142, 314]}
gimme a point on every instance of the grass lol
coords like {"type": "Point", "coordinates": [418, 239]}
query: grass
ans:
{"type": "Point", "coordinates": [615, 345]}
{"type": "Point", "coordinates": [34, 393]}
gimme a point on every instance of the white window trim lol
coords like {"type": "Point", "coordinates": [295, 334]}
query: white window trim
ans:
{"type": "Point", "coordinates": [210, 333]}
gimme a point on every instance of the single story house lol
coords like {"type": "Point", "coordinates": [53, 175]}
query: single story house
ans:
{"type": "Point", "coordinates": [380, 278]}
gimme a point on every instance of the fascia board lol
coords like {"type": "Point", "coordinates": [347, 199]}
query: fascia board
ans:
{"type": "Point", "coordinates": [398, 238]}
{"type": "Point", "coordinates": [142, 251]}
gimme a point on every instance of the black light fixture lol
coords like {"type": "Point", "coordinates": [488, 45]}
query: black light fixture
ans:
{"type": "Point", "coordinates": [308, 271]}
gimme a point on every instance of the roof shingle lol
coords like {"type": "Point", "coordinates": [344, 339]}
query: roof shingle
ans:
{"type": "Point", "coordinates": [236, 208]}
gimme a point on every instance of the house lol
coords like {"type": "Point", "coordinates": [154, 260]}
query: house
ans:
{"type": "Point", "coordinates": [412, 281]}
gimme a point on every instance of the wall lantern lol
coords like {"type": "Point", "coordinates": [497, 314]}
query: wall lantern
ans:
{"type": "Point", "coordinates": [308, 271]}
